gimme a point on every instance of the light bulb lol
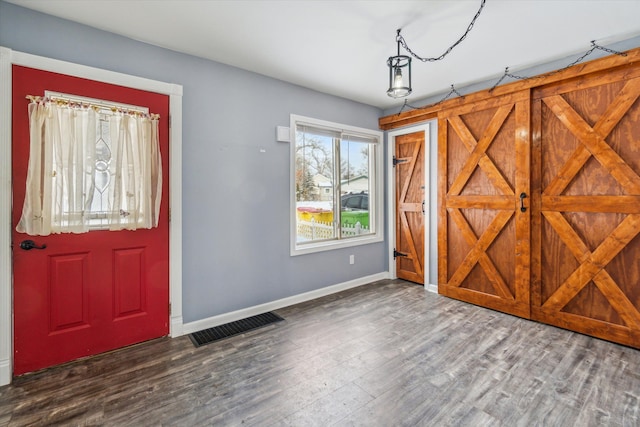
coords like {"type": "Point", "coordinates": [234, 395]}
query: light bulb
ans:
{"type": "Point", "coordinates": [397, 78]}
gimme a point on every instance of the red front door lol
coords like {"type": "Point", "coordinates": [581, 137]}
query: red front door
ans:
{"type": "Point", "coordinates": [85, 293]}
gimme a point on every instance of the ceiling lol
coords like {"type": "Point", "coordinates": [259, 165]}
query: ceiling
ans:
{"type": "Point", "coordinates": [340, 47]}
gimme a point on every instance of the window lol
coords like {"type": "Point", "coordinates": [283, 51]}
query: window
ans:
{"type": "Point", "coordinates": [336, 185]}
{"type": "Point", "coordinates": [92, 166]}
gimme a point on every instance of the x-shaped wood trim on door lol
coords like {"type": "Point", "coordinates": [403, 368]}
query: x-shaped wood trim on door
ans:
{"type": "Point", "coordinates": [592, 266]}
{"type": "Point", "coordinates": [478, 252]}
{"type": "Point", "coordinates": [477, 153]}
{"type": "Point", "coordinates": [593, 144]}
{"type": "Point", "coordinates": [454, 202]}
{"type": "Point", "coordinates": [593, 140]}
{"type": "Point", "coordinates": [404, 207]}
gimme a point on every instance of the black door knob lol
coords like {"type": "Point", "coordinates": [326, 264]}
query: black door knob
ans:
{"type": "Point", "coordinates": [27, 245]}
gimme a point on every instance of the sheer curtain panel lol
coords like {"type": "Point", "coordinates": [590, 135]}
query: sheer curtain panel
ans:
{"type": "Point", "coordinates": [137, 168]}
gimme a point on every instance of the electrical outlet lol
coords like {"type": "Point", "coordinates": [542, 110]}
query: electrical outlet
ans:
{"type": "Point", "coordinates": [352, 259]}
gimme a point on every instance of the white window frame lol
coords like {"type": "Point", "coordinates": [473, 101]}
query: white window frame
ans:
{"type": "Point", "coordinates": [376, 198]}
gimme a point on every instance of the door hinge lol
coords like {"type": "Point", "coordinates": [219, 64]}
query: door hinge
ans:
{"type": "Point", "coordinates": [169, 309]}
{"type": "Point", "coordinates": [397, 254]}
{"type": "Point", "coordinates": [397, 161]}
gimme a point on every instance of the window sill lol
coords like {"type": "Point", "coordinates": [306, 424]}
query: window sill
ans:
{"type": "Point", "coordinates": [334, 244]}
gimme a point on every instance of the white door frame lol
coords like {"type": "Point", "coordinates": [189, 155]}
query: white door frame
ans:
{"type": "Point", "coordinates": [8, 58]}
{"type": "Point", "coordinates": [391, 194]}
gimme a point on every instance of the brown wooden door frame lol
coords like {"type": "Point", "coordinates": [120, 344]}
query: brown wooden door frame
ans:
{"type": "Point", "coordinates": [391, 199]}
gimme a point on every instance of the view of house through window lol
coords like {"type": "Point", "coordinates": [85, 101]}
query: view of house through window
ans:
{"type": "Point", "coordinates": [334, 184]}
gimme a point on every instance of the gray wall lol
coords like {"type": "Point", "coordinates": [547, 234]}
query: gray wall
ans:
{"type": "Point", "coordinates": [235, 197]}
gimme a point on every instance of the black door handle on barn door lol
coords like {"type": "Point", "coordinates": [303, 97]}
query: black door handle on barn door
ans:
{"type": "Point", "coordinates": [522, 197]}
{"type": "Point", "coordinates": [27, 245]}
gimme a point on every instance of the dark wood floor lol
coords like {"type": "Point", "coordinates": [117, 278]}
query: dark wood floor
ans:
{"type": "Point", "coordinates": [383, 354]}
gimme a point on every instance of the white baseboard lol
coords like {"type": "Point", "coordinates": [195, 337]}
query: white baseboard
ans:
{"type": "Point", "coordinates": [431, 288]}
{"type": "Point", "coordinates": [176, 326]}
{"type": "Point", "coordinates": [221, 319]}
{"type": "Point", "coordinates": [5, 372]}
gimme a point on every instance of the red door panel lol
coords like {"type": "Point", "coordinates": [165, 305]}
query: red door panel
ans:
{"type": "Point", "coordinates": [68, 293]}
{"type": "Point", "coordinates": [85, 293]}
{"type": "Point", "coordinates": [129, 282]}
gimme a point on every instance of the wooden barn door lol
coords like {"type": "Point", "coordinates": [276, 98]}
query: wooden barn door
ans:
{"type": "Point", "coordinates": [586, 248]}
{"type": "Point", "coordinates": [483, 234]}
{"type": "Point", "coordinates": [410, 206]}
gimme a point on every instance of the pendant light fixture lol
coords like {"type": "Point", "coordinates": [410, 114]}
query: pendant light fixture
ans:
{"type": "Point", "coordinates": [400, 65]}
{"type": "Point", "coordinates": [399, 74]}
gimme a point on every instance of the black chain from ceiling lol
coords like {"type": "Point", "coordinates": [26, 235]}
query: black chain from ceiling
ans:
{"type": "Point", "coordinates": [403, 42]}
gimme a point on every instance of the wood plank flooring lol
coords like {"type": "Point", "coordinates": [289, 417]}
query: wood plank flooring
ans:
{"type": "Point", "coordinates": [383, 354]}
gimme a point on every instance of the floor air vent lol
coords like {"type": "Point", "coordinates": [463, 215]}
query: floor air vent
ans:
{"type": "Point", "coordinates": [230, 329]}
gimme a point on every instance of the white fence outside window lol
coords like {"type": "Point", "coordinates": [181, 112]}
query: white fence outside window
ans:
{"type": "Point", "coordinates": [318, 230]}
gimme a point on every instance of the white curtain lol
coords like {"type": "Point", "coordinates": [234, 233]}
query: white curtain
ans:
{"type": "Point", "coordinates": [137, 168]}
{"type": "Point", "coordinates": [60, 183]}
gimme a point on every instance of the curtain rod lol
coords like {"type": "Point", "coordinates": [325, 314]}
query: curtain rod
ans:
{"type": "Point", "coordinates": [72, 100]}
